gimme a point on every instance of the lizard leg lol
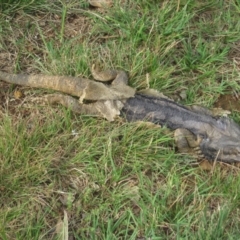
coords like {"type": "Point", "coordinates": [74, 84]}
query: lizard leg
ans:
{"type": "Point", "coordinates": [103, 76]}
{"type": "Point", "coordinates": [117, 77]}
{"type": "Point", "coordinates": [68, 102]}
{"type": "Point", "coordinates": [108, 109]}
{"type": "Point", "coordinates": [118, 90]}
{"type": "Point", "coordinates": [187, 142]}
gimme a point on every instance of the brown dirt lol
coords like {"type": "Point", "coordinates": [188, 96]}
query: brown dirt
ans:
{"type": "Point", "coordinates": [228, 102]}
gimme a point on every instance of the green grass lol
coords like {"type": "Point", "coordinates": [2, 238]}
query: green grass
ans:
{"type": "Point", "coordinates": [115, 180]}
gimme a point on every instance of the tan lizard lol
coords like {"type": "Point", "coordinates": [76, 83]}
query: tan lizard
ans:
{"type": "Point", "coordinates": [214, 138]}
{"type": "Point", "coordinates": [103, 99]}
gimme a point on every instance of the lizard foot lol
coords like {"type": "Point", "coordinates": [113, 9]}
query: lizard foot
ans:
{"type": "Point", "coordinates": [187, 142]}
{"type": "Point", "coordinates": [117, 77]}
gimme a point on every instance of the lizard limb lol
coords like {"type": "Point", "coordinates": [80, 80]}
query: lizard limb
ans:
{"type": "Point", "coordinates": [108, 109]}
{"type": "Point", "coordinates": [187, 142]}
{"type": "Point", "coordinates": [80, 87]}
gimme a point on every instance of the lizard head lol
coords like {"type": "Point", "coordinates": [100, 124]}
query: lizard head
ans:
{"type": "Point", "coordinates": [222, 142]}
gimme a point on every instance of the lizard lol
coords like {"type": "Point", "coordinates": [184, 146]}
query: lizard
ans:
{"type": "Point", "coordinates": [210, 137]}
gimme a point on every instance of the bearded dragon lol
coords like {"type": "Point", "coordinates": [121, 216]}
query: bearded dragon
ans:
{"type": "Point", "coordinates": [212, 138]}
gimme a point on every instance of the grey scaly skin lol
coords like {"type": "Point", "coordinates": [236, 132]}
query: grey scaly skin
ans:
{"type": "Point", "coordinates": [214, 138]}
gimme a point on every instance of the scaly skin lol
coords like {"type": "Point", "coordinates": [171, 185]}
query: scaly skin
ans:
{"type": "Point", "coordinates": [79, 87]}
{"type": "Point", "coordinates": [210, 137]}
